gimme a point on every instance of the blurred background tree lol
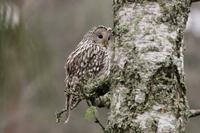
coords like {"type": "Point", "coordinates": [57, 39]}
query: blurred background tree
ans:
{"type": "Point", "coordinates": [35, 38]}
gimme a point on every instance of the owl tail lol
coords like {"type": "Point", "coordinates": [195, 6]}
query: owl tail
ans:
{"type": "Point", "coordinates": [68, 107]}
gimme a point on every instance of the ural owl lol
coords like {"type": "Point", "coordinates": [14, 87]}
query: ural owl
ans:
{"type": "Point", "coordinates": [88, 61]}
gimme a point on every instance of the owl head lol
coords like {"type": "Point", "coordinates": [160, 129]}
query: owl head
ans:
{"type": "Point", "coordinates": [101, 35]}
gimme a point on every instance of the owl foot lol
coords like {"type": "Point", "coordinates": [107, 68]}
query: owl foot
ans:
{"type": "Point", "coordinates": [59, 115]}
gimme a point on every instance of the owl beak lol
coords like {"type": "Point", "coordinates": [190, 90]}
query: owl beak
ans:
{"type": "Point", "coordinates": [105, 43]}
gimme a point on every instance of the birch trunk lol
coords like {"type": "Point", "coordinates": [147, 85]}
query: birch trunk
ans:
{"type": "Point", "coordinates": [148, 90]}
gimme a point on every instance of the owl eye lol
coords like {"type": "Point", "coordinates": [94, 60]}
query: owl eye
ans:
{"type": "Point", "coordinates": [100, 36]}
{"type": "Point", "coordinates": [109, 38]}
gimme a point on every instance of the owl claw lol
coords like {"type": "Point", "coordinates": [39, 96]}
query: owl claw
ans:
{"type": "Point", "coordinates": [66, 121]}
{"type": "Point", "coordinates": [59, 114]}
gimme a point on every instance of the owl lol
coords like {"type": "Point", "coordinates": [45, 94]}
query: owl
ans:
{"type": "Point", "coordinates": [89, 60]}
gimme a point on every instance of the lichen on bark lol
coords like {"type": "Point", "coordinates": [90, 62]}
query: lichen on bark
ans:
{"type": "Point", "coordinates": [148, 90]}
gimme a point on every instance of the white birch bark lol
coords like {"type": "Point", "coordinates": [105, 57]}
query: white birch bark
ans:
{"type": "Point", "coordinates": [148, 90]}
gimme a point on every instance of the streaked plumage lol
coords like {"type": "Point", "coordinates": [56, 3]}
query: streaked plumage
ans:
{"type": "Point", "coordinates": [89, 60]}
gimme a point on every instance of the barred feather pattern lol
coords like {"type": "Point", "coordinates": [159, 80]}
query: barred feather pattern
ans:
{"type": "Point", "coordinates": [89, 60]}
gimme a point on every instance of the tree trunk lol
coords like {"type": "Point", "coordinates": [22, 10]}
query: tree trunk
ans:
{"type": "Point", "coordinates": [148, 90]}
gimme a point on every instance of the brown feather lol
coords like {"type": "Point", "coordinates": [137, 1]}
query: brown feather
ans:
{"type": "Point", "coordinates": [88, 60]}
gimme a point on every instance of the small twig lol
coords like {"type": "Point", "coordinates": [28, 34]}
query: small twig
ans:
{"type": "Point", "coordinates": [194, 113]}
{"type": "Point", "coordinates": [96, 119]}
{"type": "Point", "coordinates": [59, 114]}
{"type": "Point", "coordinates": [98, 122]}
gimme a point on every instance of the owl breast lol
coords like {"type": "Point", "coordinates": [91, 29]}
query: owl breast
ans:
{"type": "Point", "coordinates": [86, 62]}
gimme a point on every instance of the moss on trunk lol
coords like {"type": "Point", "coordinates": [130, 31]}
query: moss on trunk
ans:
{"type": "Point", "coordinates": [148, 90]}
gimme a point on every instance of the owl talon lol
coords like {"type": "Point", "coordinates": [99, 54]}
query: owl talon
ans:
{"type": "Point", "coordinates": [66, 121]}
{"type": "Point", "coordinates": [59, 115]}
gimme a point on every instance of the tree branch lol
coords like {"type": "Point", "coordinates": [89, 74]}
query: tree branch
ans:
{"type": "Point", "coordinates": [194, 113]}
{"type": "Point", "coordinates": [195, 0]}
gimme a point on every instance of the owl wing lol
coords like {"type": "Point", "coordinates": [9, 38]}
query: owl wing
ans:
{"type": "Point", "coordinates": [84, 62]}
{"type": "Point", "coordinates": [77, 61]}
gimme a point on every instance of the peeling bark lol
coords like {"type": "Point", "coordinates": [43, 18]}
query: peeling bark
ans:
{"type": "Point", "coordinates": [148, 90]}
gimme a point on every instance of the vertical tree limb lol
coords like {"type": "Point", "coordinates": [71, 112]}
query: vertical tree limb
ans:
{"type": "Point", "coordinates": [149, 94]}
